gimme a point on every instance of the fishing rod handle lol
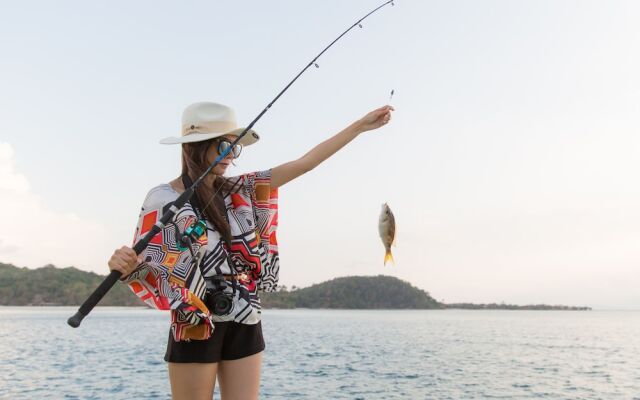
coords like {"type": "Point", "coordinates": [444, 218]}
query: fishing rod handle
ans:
{"type": "Point", "coordinates": [108, 282]}
{"type": "Point", "coordinates": [139, 247]}
{"type": "Point", "coordinates": [94, 298]}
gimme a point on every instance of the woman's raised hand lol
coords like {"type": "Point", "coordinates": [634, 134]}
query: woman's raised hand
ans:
{"type": "Point", "coordinates": [375, 119]}
{"type": "Point", "coordinates": [124, 260]}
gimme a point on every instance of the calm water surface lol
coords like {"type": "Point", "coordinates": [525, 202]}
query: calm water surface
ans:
{"type": "Point", "coordinates": [117, 354]}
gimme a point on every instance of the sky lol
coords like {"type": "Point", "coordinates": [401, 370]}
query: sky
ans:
{"type": "Point", "coordinates": [510, 163]}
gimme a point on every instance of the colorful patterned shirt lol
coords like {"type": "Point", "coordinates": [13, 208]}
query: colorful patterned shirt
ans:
{"type": "Point", "coordinates": [169, 279]}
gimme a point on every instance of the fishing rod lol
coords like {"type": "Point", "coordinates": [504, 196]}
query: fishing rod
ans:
{"type": "Point", "coordinates": [139, 247]}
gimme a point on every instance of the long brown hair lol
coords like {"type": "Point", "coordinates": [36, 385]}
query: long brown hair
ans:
{"type": "Point", "coordinates": [194, 163]}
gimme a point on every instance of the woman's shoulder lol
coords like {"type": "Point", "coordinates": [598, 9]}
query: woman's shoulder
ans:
{"type": "Point", "coordinates": [250, 175]}
{"type": "Point", "coordinates": [248, 180]}
{"type": "Point", "coordinates": [160, 195]}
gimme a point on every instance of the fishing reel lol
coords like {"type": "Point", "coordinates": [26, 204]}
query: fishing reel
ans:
{"type": "Point", "coordinates": [192, 233]}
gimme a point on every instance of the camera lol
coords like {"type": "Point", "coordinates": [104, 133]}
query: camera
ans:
{"type": "Point", "coordinates": [217, 300]}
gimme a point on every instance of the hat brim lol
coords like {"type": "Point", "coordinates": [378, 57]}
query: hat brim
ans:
{"type": "Point", "coordinates": [248, 139]}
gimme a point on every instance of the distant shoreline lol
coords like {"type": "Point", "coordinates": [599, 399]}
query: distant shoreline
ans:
{"type": "Point", "coordinates": [512, 307]}
{"type": "Point", "coordinates": [51, 287]}
{"type": "Point", "coordinates": [522, 308]}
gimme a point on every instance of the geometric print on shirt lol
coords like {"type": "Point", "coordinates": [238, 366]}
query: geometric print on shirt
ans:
{"type": "Point", "coordinates": [169, 280]}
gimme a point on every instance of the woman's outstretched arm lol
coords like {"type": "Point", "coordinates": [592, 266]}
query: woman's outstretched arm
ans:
{"type": "Point", "coordinates": [289, 171]}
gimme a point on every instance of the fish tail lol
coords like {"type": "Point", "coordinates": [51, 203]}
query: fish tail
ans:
{"type": "Point", "coordinates": [388, 256]}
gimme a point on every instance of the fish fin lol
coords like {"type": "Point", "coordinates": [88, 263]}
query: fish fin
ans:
{"type": "Point", "coordinates": [388, 256]}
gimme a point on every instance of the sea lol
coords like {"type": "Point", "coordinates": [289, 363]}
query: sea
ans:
{"type": "Point", "coordinates": [337, 354]}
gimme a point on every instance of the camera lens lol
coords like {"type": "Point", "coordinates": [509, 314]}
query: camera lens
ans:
{"type": "Point", "coordinates": [221, 304]}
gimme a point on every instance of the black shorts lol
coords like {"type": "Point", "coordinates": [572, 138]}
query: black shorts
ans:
{"type": "Point", "coordinates": [230, 341]}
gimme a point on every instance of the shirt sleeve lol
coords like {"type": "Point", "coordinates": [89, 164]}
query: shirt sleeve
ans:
{"type": "Point", "coordinates": [169, 277]}
{"type": "Point", "coordinates": [265, 210]}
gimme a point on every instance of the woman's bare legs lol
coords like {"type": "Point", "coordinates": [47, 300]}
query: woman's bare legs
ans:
{"type": "Point", "coordinates": [240, 379]}
{"type": "Point", "coordinates": [192, 381]}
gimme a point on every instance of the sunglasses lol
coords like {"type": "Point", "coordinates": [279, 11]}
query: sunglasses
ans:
{"type": "Point", "coordinates": [224, 144]}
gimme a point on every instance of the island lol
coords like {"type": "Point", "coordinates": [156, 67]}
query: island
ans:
{"type": "Point", "coordinates": [52, 286]}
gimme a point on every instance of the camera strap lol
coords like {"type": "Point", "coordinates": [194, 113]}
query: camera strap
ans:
{"type": "Point", "coordinates": [197, 209]}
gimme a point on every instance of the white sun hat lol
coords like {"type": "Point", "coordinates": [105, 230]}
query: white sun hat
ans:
{"type": "Point", "coordinates": [205, 120]}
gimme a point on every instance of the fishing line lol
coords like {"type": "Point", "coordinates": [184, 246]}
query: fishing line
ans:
{"type": "Point", "coordinates": [139, 247]}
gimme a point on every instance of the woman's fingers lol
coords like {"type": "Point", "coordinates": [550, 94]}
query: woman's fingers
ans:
{"type": "Point", "coordinates": [385, 113]}
{"type": "Point", "coordinates": [131, 255]}
{"type": "Point", "coordinates": [386, 109]}
{"type": "Point", "coordinates": [128, 254]}
{"type": "Point", "coordinates": [124, 260]}
{"type": "Point", "coordinates": [383, 117]}
{"type": "Point", "coordinates": [120, 268]}
{"type": "Point", "coordinates": [376, 118]}
{"type": "Point", "coordinates": [117, 265]}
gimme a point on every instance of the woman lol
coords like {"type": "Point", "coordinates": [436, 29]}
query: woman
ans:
{"type": "Point", "coordinates": [220, 249]}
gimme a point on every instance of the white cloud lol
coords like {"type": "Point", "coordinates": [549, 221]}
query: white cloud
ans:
{"type": "Point", "coordinates": [33, 235]}
{"type": "Point", "coordinates": [11, 182]}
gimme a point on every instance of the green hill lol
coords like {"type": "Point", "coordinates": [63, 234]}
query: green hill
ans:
{"type": "Point", "coordinates": [70, 286]}
{"type": "Point", "coordinates": [57, 286]}
{"type": "Point", "coordinates": [354, 292]}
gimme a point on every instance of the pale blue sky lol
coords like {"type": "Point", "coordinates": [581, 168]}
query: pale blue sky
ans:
{"type": "Point", "coordinates": [510, 163]}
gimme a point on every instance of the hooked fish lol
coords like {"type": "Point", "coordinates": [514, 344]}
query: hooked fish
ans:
{"type": "Point", "coordinates": [387, 230]}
